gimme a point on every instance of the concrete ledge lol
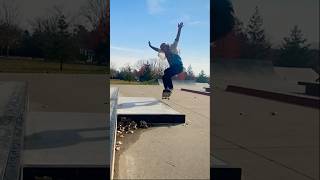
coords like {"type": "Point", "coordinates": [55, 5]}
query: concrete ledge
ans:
{"type": "Point", "coordinates": [66, 173]}
{"type": "Point", "coordinates": [197, 92]}
{"type": "Point", "coordinates": [113, 126]}
{"type": "Point", "coordinates": [63, 143]}
{"type": "Point", "coordinates": [221, 170]}
{"type": "Point", "coordinates": [148, 109]}
{"type": "Point", "coordinates": [223, 173]}
{"type": "Point", "coordinates": [13, 107]}
{"type": "Point", "coordinates": [155, 119]}
{"type": "Point", "coordinates": [288, 98]}
{"type": "Point", "coordinates": [312, 89]}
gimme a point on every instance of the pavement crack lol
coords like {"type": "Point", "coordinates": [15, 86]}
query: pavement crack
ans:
{"type": "Point", "coordinates": [263, 156]}
{"type": "Point", "coordinates": [171, 163]}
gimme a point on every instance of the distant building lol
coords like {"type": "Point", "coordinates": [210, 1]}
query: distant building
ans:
{"type": "Point", "coordinates": [228, 47]}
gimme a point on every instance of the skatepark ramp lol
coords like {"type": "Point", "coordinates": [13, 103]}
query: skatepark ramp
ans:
{"type": "Point", "coordinates": [255, 74]}
{"type": "Point", "coordinates": [242, 68]}
{"type": "Point", "coordinates": [296, 74]}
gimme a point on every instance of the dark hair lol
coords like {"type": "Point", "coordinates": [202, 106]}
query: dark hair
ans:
{"type": "Point", "coordinates": [222, 18]}
{"type": "Point", "coordinates": [162, 45]}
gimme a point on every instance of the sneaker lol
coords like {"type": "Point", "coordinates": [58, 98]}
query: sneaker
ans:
{"type": "Point", "coordinates": [167, 90]}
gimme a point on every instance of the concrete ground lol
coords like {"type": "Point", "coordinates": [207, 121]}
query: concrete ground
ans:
{"type": "Point", "coordinates": [267, 139]}
{"type": "Point", "coordinates": [64, 92]}
{"type": "Point", "coordinates": [167, 152]}
{"type": "Point", "coordinates": [284, 146]}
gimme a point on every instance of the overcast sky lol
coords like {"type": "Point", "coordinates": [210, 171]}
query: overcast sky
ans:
{"type": "Point", "coordinates": [29, 9]}
{"type": "Point", "coordinates": [281, 15]}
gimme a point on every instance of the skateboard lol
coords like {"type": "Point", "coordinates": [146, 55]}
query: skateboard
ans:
{"type": "Point", "coordinates": [166, 95]}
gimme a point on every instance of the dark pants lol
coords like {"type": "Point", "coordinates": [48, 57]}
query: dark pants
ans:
{"type": "Point", "coordinates": [168, 73]}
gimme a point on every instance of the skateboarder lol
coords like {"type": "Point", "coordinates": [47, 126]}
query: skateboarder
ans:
{"type": "Point", "coordinates": [174, 60]}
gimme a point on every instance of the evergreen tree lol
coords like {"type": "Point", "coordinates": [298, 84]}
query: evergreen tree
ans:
{"type": "Point", "coordinates": [258, 44]}
{"type": "Point", "coordinates": [190, 74]}
{"type": "Point", "coordinates": [241, 35]}
{"type": "Point", "coordinates": [294, 51]}
{"type": "Point", "coordinates": [202, 78]}
{"type": "Point", "coordinates": [126, 73]}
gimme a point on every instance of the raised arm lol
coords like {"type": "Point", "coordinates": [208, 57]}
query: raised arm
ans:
{"type": "Point", "coordinates": [154, 48]}
{"type": "Point", "coordinates": [176, 40]}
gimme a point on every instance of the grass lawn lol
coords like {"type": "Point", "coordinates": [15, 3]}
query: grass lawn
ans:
{"type": "Point", "coordinates": [117, 81]}
{"type": "Point", "coordinates": [38, 66]}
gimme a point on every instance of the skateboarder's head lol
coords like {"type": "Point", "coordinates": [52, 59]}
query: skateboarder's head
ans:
{"type": "Point", "coordinates": [165, 47]}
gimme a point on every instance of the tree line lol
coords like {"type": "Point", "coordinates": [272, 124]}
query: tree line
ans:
{"type": "Point", "coordinates": [151, 70]}
{"type": "Point", "coordinates": [251, 42]}
{"type": "Point", "coordinates": [57, 36]}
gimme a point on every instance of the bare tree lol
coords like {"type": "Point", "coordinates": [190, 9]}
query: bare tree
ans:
{"type": "Point", "coordinates": [9, 12]}
{"type": "Point", "coordinates": [9, 30]}
{"type": "Point", "coordinates": [113, 70]}
{"type": "Point", "coordinates": [95, 10]}
{"type": "Point", "coordinates": [156, 65]}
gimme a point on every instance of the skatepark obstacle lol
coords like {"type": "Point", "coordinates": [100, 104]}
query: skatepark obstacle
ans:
{"type": "Point", "coordinates": [13, 108]}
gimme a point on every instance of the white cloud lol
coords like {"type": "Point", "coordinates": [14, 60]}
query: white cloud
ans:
{"type": "Point", "coordinates": [120, 56]}
{"type": "Point", "coordinates": [125, 49]}
{"type": "Point", "coordinates": [155, 6]}
{"type": "Point", "coordinates": [119, 61]}
{"type": "Point", "coordinates": [194, 23]}
{"type": "Point", "coordinates": [188, 21]}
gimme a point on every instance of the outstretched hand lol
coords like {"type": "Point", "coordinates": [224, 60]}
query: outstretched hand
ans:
{"type": "Point", "coordinates": [149, 43]}
{"type": "Point", "coordinates": [180, 25]}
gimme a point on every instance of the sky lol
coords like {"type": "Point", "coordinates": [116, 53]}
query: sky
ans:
{"type": "Point", "coordinates": [30, 9]}
{"type": "Point", "coordinates": [280, 17]}
{"type": "Point", "coordinates": [134, 23]}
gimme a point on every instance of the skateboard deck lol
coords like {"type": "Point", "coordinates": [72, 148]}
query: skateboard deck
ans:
{"type": "Point", "coordinates": [166, 95]}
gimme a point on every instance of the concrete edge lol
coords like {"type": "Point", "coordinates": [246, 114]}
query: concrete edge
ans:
{"type": "Point", "coordinates": [197, 92]}
{"type": "Point", "coordinates": [113, 128]}
{"type": "Point", "coordinates": [287, 98]}
{"type": "Point", "coordinates": [223, 173]}
{"type": "Point", "coordinates": [220, 170]}
{"type": "Point", "coordinates": [64, 166]}
{"type": "Point", "coordinates": [158, 119]}
{"type": "Point", "coordinates": [16, 109]}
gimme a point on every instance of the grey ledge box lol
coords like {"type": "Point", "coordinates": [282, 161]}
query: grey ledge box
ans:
{"type": "Point", "coordinates": [13, 107]}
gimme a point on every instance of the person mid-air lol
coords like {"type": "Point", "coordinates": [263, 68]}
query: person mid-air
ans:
{"type": "Point", "coordinates": [174, 60]}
